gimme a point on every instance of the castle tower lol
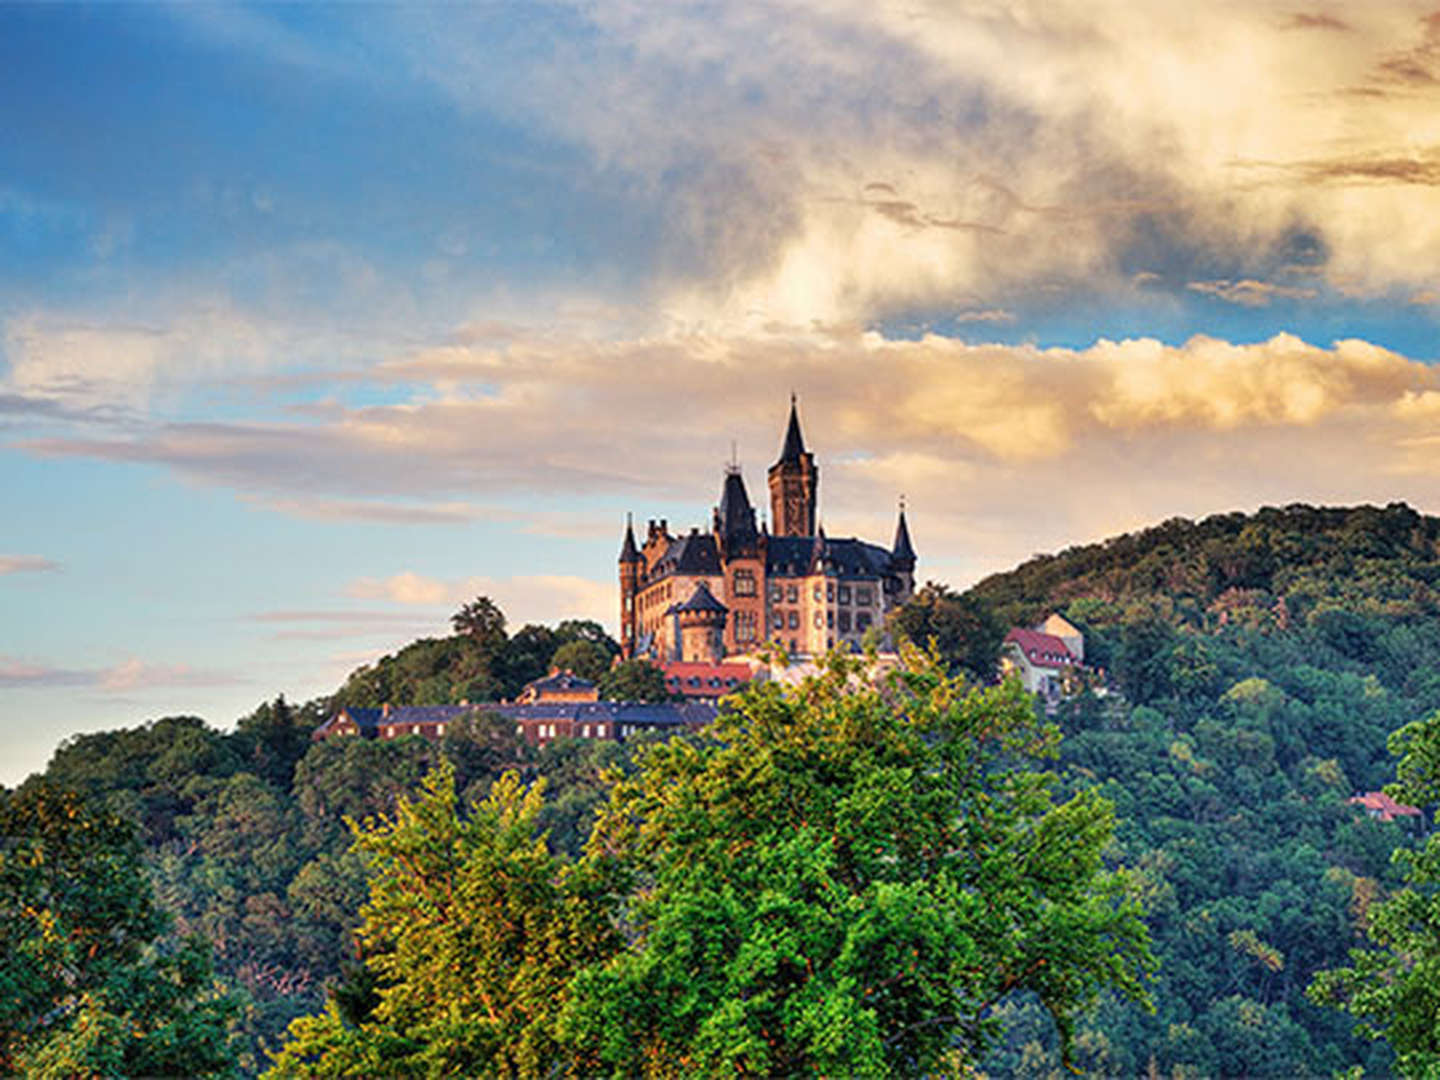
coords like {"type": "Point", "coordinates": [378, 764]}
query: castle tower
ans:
{"type": "Point", "coordinates": [701, 622]}
{"type": "Point", "coordinates": [902, 557]}
{"type": "Point", "coordinates": [742, 561]}
{"type": "Point", "coordinates": [794, 484]}
{"type": "Point", "coordinates": [630, 563]}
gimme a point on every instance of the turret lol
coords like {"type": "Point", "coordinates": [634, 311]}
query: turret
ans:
{"type": "Point", "coordinates": [630, 563]}
{"type": "Point", "coordinates": [902, 556]}
{"type": "Point", "coordinates": [735, 518]}
{"type": "Point", "coordinates": [701, 624]}
{"type": "Point", "coordinates": [794, 483]}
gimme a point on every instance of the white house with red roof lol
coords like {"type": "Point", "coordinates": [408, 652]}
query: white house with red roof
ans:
{"type": "Point", "coordinates": [1382, 807]}
{"type": "Point", "coordinates": [1042, 658]}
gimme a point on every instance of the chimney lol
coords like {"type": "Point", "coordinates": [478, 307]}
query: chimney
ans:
{"type": "Point", "coordinates": [385, 709]}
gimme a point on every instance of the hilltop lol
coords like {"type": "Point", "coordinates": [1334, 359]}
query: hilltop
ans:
{"type": "Point", "coordinates": [1271, 568]}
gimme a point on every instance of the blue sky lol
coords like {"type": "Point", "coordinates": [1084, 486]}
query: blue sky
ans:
{"type": "Point", "coordinates": [317, 320]}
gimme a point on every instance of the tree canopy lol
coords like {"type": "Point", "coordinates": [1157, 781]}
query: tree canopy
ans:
{"type": "Point", "coordinates": [844, 877]}
{"type": "Point", "coordinates": [1393, 987]}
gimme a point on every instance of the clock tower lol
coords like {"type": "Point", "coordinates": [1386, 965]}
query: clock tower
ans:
{"type": "Point", "coordinates": [794, 482]}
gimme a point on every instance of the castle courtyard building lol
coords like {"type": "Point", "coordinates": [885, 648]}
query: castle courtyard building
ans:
{"type": "Point", "coordinates": [701, 596]}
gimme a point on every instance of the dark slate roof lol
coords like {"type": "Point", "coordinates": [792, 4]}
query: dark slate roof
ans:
{"type": "Point", "coordinates": [692, 554]}
{"type": "Point", "coordinates": [902, 552]}
{"type": "Point", "coordinates": [636, 714]}
{"type": "Point", "coordinates": [794, 556]}
{"type": "Point", "coordinates": [628, 551]}
{"type": "Point", "coordinates": [735, 520]}
{"type": "Point", "coordinates": [788, 556]}
{"type": "Point", "coordinates": [794, 448]}
{"type": "Point", "coordinates": [702, 599]}
{"type": "Point", "coordinates": [560, 680]}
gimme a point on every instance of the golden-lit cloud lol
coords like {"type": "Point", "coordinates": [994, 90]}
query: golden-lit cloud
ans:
{"type": "Point", "coordinates": [1002, 449]}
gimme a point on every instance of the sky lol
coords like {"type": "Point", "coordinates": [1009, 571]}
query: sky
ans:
{"type": "Point", "coordinates": [318, 320]}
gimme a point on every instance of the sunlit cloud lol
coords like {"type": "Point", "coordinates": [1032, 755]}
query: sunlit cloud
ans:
{"type": "Point", "coordinates": [533, 598]}
{"type": "Point", "coordinates": [26, 564]}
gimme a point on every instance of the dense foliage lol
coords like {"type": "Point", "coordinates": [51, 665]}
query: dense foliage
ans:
{"type": "Point", "coordinates": [839, 879]}
{"type": "Point", "coordinates": [1256, 665]}
{"type": "Point", "coordinates": [481, 662]}
{"type": "Point", "coordinates": [1262, 662]}
{"type": "Point", "coordinates": [84, 990]}
{"type": "Point", "coordinates": [1394, 988]}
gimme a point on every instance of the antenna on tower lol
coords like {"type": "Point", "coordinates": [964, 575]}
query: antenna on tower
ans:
{"type": "Point", "coordinates": [734, 455]}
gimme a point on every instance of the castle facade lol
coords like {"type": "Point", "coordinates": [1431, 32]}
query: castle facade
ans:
{"type": "Point", "coordinates": [701, 596]}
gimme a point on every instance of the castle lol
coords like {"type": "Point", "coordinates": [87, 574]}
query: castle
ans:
{"type": "Point", "coordinates": [702, 596]}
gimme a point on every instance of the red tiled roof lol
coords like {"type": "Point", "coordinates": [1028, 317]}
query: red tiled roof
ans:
{"type": "Point", "coordinates": [704, 680]}
{"type": "Point", "coordinates": [1041, 649]}
{"type": "Point", "coordinates": [1380, 805]}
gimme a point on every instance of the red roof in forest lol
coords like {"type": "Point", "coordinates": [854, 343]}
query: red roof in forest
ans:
{"type": "Point", "coordinates": [704, 680]}
{"type": "Point", "coordinates": [1041, 649]}
{"type": "Point", "coordinates": [1378, 804]}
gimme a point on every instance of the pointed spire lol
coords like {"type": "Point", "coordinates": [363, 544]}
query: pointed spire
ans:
{"type": "Point", "coordinates": [902, 555]}
{"type": "Point", "coordinates": [794, 447]}
{"type": "Point", "coordinates": [628, 552]}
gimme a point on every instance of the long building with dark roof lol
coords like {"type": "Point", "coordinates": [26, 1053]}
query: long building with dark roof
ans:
{"type": "Point", "coordinates": [700, 596]}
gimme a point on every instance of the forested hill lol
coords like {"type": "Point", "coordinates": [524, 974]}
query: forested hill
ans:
{"type": "Point", "coordinates": [1273, 568]}
{"type": "Point", "coordinates": [1254, 667]}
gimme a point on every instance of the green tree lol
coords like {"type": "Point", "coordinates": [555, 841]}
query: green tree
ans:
{"type": "Point", "coordinates": [961, 627]}
{"type": "Point", "coordinates": [1393, 989]}
{"type": "Point", "coordinates": [87, 986]}
{"type": "Point", "coordinates": [482, 621]}
{"type": "Point", "coordinates": [583, 658]}
{"type": "Point", "coordinates": [634, 680]}
{"type": "Point", "coordinates": [845, 878]}
{"type": "Point", "coordinates": [471, 933]}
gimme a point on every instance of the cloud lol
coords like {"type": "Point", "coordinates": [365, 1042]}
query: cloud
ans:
{"type": "Point", "coordinates": [26, 564]}
{"type": "Point", "coordinates": [127, 676]}
{"type": "Point", "coordinates": [1250, 293]}
{"type": "Point", "coordinates": [544, 598]}
{"type": "Point", "coordinates": [978, 435]}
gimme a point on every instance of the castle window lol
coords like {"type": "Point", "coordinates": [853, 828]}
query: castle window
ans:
{"type": "Point", "coordinates": [792, 594]}
{"type": "Point", "coordinates": [816, 593]}
{"type": "Point", "coordinates": [744, 583]}
{"type": "Point", "coordinates": [794, 620]}
{"type": "Point", "coordinates": [844, 622]}
{"type": "Point", "coordinates": [777, 621]}
{"type": "Point", "coordinates": [777, 593]}
{"type": "Point", "coordinates": [829, 591]}
{"type": "Point", "coordinates": [863, 595]}
{"type": "Point", "coordinates": [830, 619]}
{"type": "Point", "coordinates": [862, 621]}
{"type": "Point", "coordinates": [817, 620]}
{"type": "Point", "coordinates": [843, 594]}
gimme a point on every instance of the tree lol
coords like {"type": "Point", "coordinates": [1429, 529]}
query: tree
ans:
{"type": "Point", "coordinates": [471, 933]}
{"type": "Point", "coordinates": [1393, 989]}
{"type": "Point", "coordinates": [634, 680]}
{"type": "Point", "coordinates": [845, 878]}
{"type": "Point", "coordinates": [87, 985]}
{"type": "Point", "coordinates": [483, 623]}
{"type": "Point", "coordinates": [962, 628]}
{"type": "Point", "coordinates": [583, 658]}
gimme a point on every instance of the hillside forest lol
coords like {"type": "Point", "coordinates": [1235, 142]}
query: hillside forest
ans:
{"type": "Point", "coordinates": [765, 897]}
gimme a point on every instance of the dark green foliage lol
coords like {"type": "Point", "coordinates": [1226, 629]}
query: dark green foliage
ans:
{"type": "Point", "coordinates": [1393, 987]}
{"type": "Point", "coordinates": [962, 628]}
{"type": "Point", "coordinates": [634, 680]}
{"type": "Point", "coordinates": [479, 663]}
{"type": "Point", "coordinates": [84, 989]}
